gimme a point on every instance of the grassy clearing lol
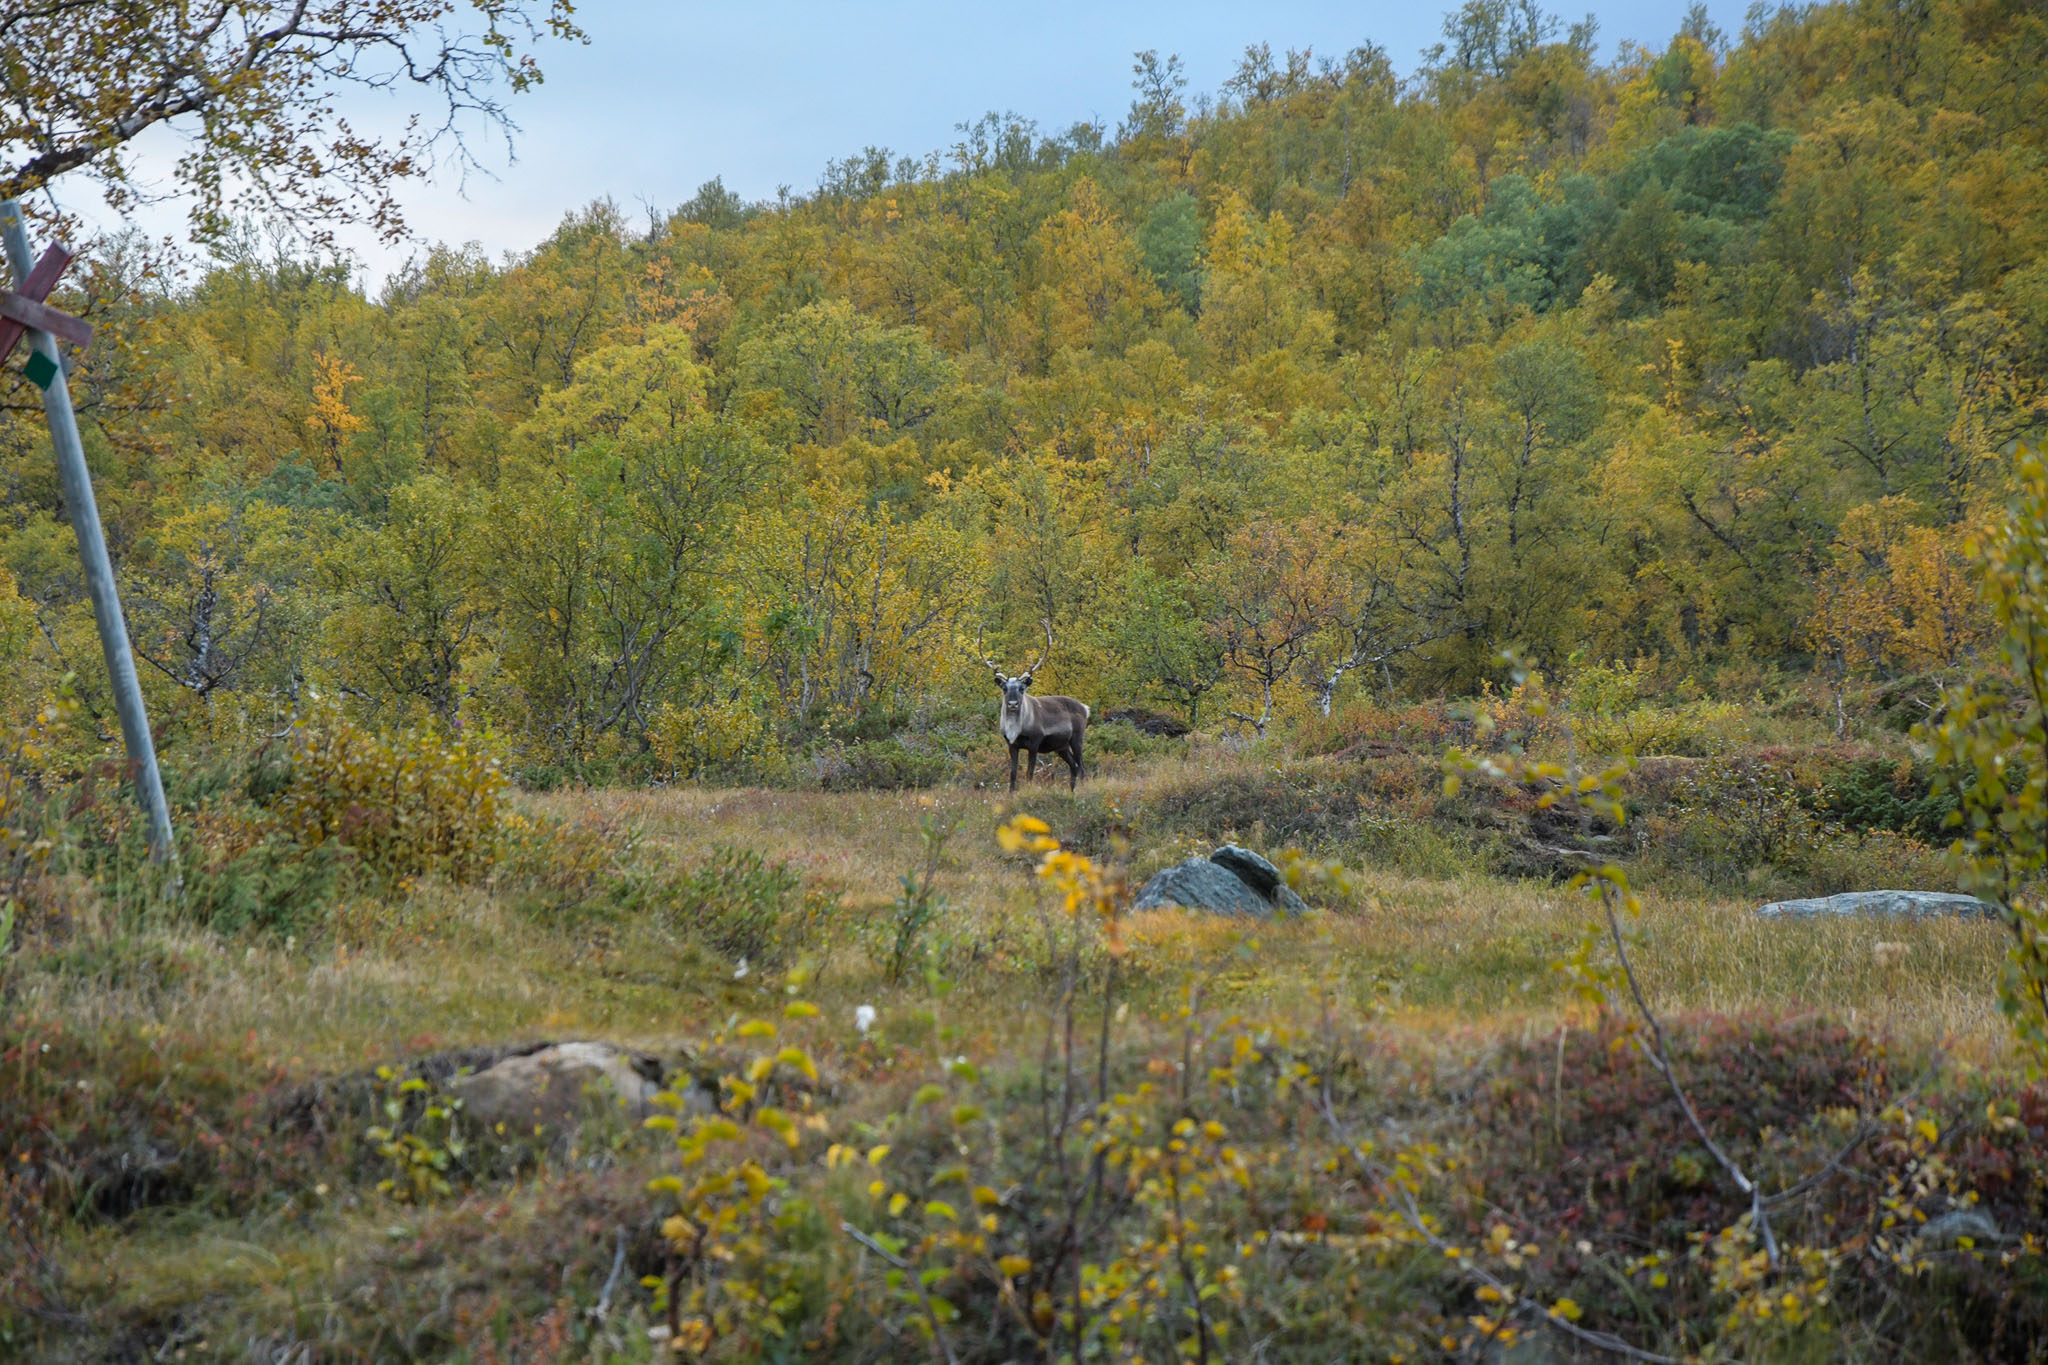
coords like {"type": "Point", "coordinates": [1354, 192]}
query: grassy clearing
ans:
{"type": "Point", "coordinates": [1447, 966]}
{"type": "Point", "coordinates": [1473, 949]}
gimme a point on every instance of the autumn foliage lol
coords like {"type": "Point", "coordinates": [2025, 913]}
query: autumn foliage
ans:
{"type": "Point", "coordinates": [1318, 390]}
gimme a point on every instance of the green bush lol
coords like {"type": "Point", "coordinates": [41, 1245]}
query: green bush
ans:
{"type": "Point", "coordinates": [885, 765]}
{"type": "Point", "coordinates": [407, 804]}
{"type": "Point", "coordinates": [1882, 794]}
{"type": "Point", "coordinates": [1697, 729]}
{"type": "Point", "coordinates": [273, 886]}
{"type": "Point", "coordinates": [1125, 740]}
{"type": "Point", "coordinates": [1728, 822]}
{"type": "Point", "coordinates": [742, 906]}
{"type": "Point", "coordinates": [542, 777]}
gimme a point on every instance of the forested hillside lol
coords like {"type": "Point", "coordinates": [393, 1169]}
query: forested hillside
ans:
{"type": "Point", "coordinates": [1327, 382]}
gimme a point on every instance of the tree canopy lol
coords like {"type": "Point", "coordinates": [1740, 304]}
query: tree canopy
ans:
{"type": "Point", "coordinates": [251, 83]}
{"type": "Point", "coordinates": [1324, 386]}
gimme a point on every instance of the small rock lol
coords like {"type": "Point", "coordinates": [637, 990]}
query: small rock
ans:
{"type": "Point", "coordinates": [1907, 904]}
{"type": "Point", "coordinates": [547, 1086]}
{"type": "Point", "coordinates": [1975, 1224]}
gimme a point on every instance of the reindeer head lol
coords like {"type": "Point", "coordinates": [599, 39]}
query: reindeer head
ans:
{"type": "Point", "coordinates": [1014, 688]}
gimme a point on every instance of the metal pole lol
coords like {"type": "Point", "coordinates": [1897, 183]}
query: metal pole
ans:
{"type": "Point", "coordinates": [99, 571]}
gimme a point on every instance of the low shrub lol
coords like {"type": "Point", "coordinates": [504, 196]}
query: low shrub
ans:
{"type": "Point", "coordinates": [542, 777]}
{"type": "Point", "coordinates": [742, 906]}
{"type": "Point", "coordinates": [271, 885]}
{"type": "Point", "coordinates": [1729, 821]}
{"type": "Point", "coordinates": [1580, 1147]}
{"type": "Point", "coordinates": [899, 944]}
{"type": "Point", "coordinates": [884, 765]}
{"type": "Point", "coordinates": [101, 1127]}
{"type": "Point", "coordinates": [1121, 739]}
{"type": "Point", "coordinates": [27, 827]}
{"type": "Point", "coordinates": [715, 733]}
{"type": "Point", "coordinates": [1699, 729]}
{"type": "Point", "coordinates": [407, 804]}
{"type": "Point", "coordinates": [554, 868]}
{"type": "Point", "coordinates": [1898, 795]}
{"type": "Point", "coordinates": [1362, 729]}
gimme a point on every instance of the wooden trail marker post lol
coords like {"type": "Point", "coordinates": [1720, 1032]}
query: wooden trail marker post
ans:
{"type": "Point", "coordinates": [23, 312]}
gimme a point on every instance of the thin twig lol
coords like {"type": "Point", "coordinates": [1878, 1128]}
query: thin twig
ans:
{"type": "Point", "coordinates": [1865, 1131]}
{"type": "Point", "coordinates": [1380, 1177]}
{"type": "Point", "coordinates": [940, 1346]}
{"type": "Point", "coordinates": [611, 1283]}
{"type": "Point", "coordinates": [1660, 1058]}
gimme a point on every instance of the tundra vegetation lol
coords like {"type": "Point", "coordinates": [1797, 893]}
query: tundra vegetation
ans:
{"type": "Point", "coordinates": [576, 646]}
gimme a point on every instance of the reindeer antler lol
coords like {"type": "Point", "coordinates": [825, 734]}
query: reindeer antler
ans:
{"type": "Point", "coordinates": [993, 666]}
{"type": "Point", "coordinates": [1048, 649]}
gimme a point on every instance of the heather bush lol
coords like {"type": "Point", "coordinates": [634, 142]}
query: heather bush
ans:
{"type": "Point", "coordinates": [742, 906]}
{"type": "Point", "coordinates": [407, 804]}
{"type": "Point", "coordinates": [708, 735]}
{"type": "Point", "coordinates": [882, 765]}
{"type": "Point", "coordinates": [1121, 739]}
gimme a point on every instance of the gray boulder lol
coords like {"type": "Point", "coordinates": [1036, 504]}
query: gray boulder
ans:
{"type": "Point", "coordinates": [547, 1087]}
{"type": "Point", "coordinates": [1260, 875]}
{"type": "Point", "coordinates": [1894, 904]}
{"type": "Point", "coordinates": [1232, 881]}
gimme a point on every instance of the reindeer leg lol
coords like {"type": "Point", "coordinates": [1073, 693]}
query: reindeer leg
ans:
{"type": "Point", "coordinates": [1013, 767]}
{"type": "Point", "coordinates": [1031, 764]}
{"type": "Point", "coordinates": [1074, 765]}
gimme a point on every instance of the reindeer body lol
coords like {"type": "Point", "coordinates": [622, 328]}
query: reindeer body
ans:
{"type": "Point", "coordinates": [1038, 725]}
{"type": "Point", "coordinates": [1042, 725]}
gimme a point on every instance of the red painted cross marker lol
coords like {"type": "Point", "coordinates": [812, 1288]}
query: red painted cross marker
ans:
{"type": "Point", "coordinates": [24, 308]}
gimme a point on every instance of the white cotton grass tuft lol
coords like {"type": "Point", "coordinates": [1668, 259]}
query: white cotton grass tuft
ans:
{"type": "Point", "coordinates": [740, 972]}
{"type": "Point", "coordinates": [863, 1018]}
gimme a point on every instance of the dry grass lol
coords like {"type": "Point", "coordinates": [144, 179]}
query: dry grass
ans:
{"type": "Point", "coordinates": [1474, 951]}
{"type": "Point", "coordinates": [447, 966]}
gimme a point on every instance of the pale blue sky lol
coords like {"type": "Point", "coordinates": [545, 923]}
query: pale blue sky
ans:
{"type": "Point", "coordinates": [670, 93]}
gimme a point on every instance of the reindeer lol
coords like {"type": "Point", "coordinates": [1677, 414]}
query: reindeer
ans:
{"type": "Point", "coordinates": [1036, 725]}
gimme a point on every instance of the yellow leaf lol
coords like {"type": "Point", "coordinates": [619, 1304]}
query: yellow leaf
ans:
{"type": "Point", "coordinates": [779, 1122]}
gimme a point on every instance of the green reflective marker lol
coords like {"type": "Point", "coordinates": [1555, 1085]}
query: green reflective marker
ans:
{"type": "Point", "coordinates": [40, 370]}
